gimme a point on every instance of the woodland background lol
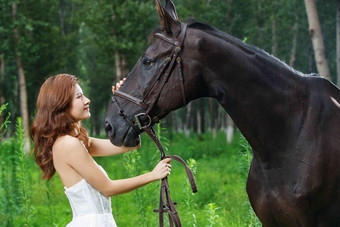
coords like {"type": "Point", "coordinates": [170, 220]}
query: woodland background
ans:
{"type": "Point", "coordinates": [100, 41]}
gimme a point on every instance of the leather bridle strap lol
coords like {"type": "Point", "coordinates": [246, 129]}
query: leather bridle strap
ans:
{"type": "Point", "coordinates": [165, 203]}
{"type": "Point", "coordinates": [165, 70]}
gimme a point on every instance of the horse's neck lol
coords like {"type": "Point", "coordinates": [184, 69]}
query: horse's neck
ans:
{"type": "Point", "coordinates": [260, 96]}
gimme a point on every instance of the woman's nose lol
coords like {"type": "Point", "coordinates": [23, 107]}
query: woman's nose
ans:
{"type": "Point", "coordinates": [87, 101]}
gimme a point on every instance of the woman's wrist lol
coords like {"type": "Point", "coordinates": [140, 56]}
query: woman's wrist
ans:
{"type": "Point", "coordinates": [152, 176]}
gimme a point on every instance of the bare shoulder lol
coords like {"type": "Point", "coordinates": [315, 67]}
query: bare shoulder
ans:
{"type": "Point", "coordinates": [67, 145]}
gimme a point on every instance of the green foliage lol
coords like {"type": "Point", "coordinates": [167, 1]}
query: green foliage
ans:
{"type": "Point", "coordinates": [212, 216]}
{"type": "Point", "coordinates": [16, 207]}
{"type": "Point", "coordinates": [221, 199]}
{"type": "Point", "coordinates": [80, 37]}
{"type": "Point", "coordinates": [21, 176]}
{"type": "Point", "coordinates": [4, 125]}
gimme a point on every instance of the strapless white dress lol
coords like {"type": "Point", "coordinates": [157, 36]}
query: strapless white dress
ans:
{"type": "Point", "coordinates": [90, 208]}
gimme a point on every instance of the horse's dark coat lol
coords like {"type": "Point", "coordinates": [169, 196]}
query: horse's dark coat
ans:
{"type": "Point", "coordinates": [291, 120]}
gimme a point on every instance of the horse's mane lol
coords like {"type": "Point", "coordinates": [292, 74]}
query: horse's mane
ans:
{"type": "Point", "coordinates": [250, 49]}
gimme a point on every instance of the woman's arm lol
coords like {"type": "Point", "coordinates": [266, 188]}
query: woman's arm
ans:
{"type": "Point", "coordinates": [103, 147]}
{"type": "Point", "coordinates": [75, 155]}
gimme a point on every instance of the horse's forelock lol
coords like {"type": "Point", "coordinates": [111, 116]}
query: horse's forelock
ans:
{"type": "Point", "coordinates": [152, 34]}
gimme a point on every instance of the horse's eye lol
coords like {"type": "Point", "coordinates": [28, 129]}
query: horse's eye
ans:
{"type": "Point", "coordinates": [147, 62]}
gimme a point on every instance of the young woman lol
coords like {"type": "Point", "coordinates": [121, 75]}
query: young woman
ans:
{"type": "Point", "coordinates": [61, 144]}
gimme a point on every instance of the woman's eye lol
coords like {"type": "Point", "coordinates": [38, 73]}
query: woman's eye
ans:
{"type": "Point", "coordinates": [147, 62]}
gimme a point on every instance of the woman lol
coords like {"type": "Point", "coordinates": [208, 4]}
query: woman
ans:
{"type": "Point", "coordinates": [63, 145]}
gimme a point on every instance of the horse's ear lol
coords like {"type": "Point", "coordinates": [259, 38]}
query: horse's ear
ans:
{"type": "Point", "coordinates": [171, 9]}
{"type": "Point", "coordinates": [169, 18]}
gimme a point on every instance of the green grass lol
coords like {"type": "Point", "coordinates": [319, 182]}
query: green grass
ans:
{"type": "Point", "coordinates": [220, 172]}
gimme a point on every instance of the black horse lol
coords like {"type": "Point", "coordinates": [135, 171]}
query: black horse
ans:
{"type": "Point", "coordinates": [291, 120]}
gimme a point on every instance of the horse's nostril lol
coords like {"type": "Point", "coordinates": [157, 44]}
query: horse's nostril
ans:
{"type": "Point", "coordinates": [108, 127]}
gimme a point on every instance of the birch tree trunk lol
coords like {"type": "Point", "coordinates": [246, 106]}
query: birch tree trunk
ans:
{"type": "Point", "coordinates": [229, 129]}
{"type": "Point", "coordinates": [22, 82]}
{"type": "Point", "coordinates": [317, 39]}
{"type": "Point", "coordinates": [294, 41]}
{"type": "Point", "coordinates": [338, 42]}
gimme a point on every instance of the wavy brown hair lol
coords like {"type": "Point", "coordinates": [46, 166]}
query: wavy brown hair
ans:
{"type": "Point", "coordinates": [52, 121]}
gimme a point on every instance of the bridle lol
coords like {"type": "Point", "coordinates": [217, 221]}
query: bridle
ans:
{"type": "Point", "coordinates": [143, 121]}
{"type": "Point", "coordinates": [174, 60]}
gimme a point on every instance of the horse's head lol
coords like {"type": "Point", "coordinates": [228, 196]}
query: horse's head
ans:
{"type": "Point", "coordinates": [158, 84]}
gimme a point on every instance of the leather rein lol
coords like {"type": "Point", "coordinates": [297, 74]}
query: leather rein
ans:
{"type": "Point", "coordinates": [143, 121]}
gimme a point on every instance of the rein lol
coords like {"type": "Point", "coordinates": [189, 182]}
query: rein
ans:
{"type": "Point", "coordinates": [143, 121]}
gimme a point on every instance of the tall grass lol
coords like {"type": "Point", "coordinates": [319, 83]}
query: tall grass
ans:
{"type": "Point", "coordinates": [15, 197]}
{"type": "Point", "coordinates": [21, 177]}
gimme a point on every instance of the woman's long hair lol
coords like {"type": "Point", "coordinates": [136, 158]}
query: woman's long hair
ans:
{"type": "Point", "coordinates": [51, 120]}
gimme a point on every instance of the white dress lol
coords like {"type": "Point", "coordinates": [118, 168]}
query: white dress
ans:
{"type": "Point", "coordinates": [90, 208]}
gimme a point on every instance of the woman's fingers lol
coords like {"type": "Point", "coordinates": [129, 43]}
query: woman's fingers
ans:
{"type": "Point", "coordinates": [118, 85]}
{"type": "Point", "coordinates": [167, 166]}
{"type": "Point", "coordinates": [162, 169]}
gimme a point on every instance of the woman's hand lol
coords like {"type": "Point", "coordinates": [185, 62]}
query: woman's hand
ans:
{"type": "Point", "coordinates": [118, 85]}
{"type": "Point", "coordinates": [162, 169]}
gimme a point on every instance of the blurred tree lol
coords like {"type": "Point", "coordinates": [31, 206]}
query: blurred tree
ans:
{"type": "Point", "coordinates": [317, 39]}
{"type": "Point", "coordinates": [21, 78]}
{"type": "Point", "coordinates": [113, 35]}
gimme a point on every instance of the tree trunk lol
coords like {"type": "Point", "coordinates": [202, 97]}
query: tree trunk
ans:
{"type": "Point", "coordinates": [338, 42]}
{"type": "Point", "coordinates": [199, 121]}
{"type": "Point", "coordinates": [212, 117]}
{"type": "Point", "coordinates": [2, 73]}
{"type": "Point", "coordinates": [22, 82]}
{"type": "Point", "coordinates": [193, 118]}
{"type": "Point", "coordinates": [188, 119]}
{"type": "Point", "coordinates": [317, 39]}
{"type": "Point", "coordinates": [220, 113]}
{"type": "Point", "coordinates": [229, 130]}
{"type": "Point", "coordinates": [125, 70]}
{"type": "Point", "coordinates": [292, 56]}
{"type": "Point", "coordinates": [259, 21]}
{"type": "Point", "coordinates": [201, 117]}
{"type": "Point", "coordinates": [118, 65]}
{"type": "Point", "coordinates": [274, 36]}
{"type": "Point", "coordinates": [62, 15]}
{"type": "Point", "coordinates": [228, 15]}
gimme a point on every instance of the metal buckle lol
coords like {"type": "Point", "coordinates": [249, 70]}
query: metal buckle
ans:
{"type": "Point", "coordinates": [140, 126]}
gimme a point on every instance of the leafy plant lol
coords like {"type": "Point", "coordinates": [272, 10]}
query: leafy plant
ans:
{"type": "Point", "coordinates": [212, 216]}
{"type": "Point", "coordinates": [24, 203]}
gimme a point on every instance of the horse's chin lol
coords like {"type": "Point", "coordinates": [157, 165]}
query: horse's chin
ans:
{"type": "Point", "coordinates": [132, 138]}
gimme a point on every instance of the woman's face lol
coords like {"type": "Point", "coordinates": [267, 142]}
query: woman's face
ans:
{"type": "Point", "coordinates": [80, 108]}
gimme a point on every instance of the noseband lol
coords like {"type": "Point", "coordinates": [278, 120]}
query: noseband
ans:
{"type": "Point", "coordinates": [143, 121]}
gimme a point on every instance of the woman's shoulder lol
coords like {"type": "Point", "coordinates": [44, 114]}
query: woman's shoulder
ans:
{"type": "Point", "coordinates": [66, 143]}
